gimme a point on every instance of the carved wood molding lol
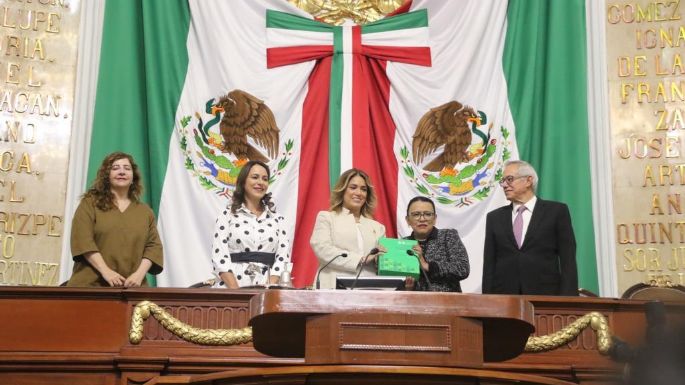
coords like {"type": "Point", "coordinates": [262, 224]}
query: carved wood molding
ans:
{"type": "Point", "coordinates": [349, 338]}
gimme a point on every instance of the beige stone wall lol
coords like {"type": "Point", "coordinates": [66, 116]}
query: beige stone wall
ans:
{"type": "Point", "coordinates": [38, 51]}
{"type": "Point", "coordinates": [646, 75]}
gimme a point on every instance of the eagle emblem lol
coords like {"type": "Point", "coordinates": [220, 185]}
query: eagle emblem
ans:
{"type": "Point", "coordinates": [229, 131]}
{"type": "Point", "coordinates": [245, 115]}
{"type": "Point", "coordinates": [448, 125]}
{"type": "Point", "coordinates": [453, 157]}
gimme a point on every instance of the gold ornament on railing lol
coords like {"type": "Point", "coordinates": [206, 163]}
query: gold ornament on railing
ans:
{"type": "Point", "coordinates": [595, 320]}
{"type": "Point", "coordinates": [335, 12]}
{"type": "Point", "coordinates": [223, 337]}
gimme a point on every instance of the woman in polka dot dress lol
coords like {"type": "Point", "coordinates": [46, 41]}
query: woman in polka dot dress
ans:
{"type": "Point", "coordinates": [251, 246]}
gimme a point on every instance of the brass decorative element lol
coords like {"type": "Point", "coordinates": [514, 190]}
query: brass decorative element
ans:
{"type": "Point", "coordinates": [225, 337]}
{"type": "Point", "coordinates": [188, 333]}
{"type": "Point", "coordinates": [597, 321]}
{"type": "Point", "coordinates": [661, 281]}
{"type": "Point", "coordinates": [337, 11]}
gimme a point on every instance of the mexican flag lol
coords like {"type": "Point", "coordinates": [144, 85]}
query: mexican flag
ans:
{"type": "Point", "coordinates": [312, 99]}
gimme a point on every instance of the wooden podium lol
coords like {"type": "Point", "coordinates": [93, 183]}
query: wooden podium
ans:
{"type": "Point", "coordinates": [71, 336]}
{"type": "Point", "coordinates": [390, 328]}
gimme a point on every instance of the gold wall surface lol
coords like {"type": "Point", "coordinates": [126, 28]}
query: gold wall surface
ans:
{"type": "Point", "coordinates": [38, 48]}
{"type": "Point", "coordinates": [646, 75]}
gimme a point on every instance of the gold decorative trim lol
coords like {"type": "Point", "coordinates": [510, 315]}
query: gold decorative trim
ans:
{"type": "Point", "coordinates": [225, 337]}
{"type": "Point", "coordinates": [661, 281]}
{"type": "Point", "coordinates": [597, 321]}
{"type": "Point", "coordinates": [222, 337]}
{"type": "Point", "coordinates": [335, 12]}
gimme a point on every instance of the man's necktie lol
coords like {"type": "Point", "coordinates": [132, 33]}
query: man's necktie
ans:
{"type": "Point", "coordinates": [518, 226]}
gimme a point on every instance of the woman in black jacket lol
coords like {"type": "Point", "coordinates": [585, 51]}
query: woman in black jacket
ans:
{"type": "Point", "coordinates": [441, 253]}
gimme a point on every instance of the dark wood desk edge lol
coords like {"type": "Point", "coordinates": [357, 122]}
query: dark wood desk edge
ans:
{"type": "Point", "coordinates": [134, 294]}
{"type": "Point", "coordinates": [465, 305]}
{"type": "Point", "coordinates": [367, 369]}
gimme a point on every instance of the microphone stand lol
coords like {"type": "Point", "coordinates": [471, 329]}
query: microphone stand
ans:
{"type": "Point", "coordinates": [356, 277]}
{"type": "Point", "coordinates": [318, 275]}
{"type": "Point", "coordinates": [423, 272]}
{"type": "Point", "coordinates": [361, 267]}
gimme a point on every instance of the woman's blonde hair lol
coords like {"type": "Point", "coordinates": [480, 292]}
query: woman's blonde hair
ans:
{"type": "Point", "coordinates": [341, 185]}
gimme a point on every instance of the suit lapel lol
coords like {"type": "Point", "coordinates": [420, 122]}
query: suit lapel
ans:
{"type": "Point", "coordinates": [535, 220]}
{"type": "Point", "coordinates": [509, 225]}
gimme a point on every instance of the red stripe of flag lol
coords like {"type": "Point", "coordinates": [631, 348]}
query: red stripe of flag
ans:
{"type": "Point", "coordinates": [408, 55]}
{"type": "Point", "coordinates": [313, 189]}
{"type": "Point", "coordinates": [281, 56]}
{"type": "Point", "coordinates": [373, 132]}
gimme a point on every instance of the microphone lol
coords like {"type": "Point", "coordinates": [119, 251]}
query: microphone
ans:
{"type": "Point", "coordinates": [318, 275]}
{"type": "Point", "coordinates": [425, 276]}
{"type": "Point", "coordinates": [360, 267]}
{"type": "Point", "coordinates": [363, 260]}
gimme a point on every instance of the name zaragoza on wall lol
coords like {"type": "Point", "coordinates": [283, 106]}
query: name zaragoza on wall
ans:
{"type": "Point", "coordinates": [37, 66]}
{"type": "Point", "coordinates": [646, 71]}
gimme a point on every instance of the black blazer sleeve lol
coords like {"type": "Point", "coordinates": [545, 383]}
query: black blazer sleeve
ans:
{"type": "Point", "coordinates": [488, 255]}
{"type": "Point", "coordinates": [567, 253]}
{"type": "Point", "coordinates": [455, 265]}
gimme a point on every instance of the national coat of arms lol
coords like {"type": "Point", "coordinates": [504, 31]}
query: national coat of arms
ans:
{"type": "Point", "coordinates": [464, 167]}
{"type": "Point", "coordinates": [230, 131]}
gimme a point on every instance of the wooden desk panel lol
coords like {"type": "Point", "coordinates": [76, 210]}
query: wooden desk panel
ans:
{"type": "Point", "coordinates": [50, 325]}
{"type": "Point", "coordinates": [78, 336]}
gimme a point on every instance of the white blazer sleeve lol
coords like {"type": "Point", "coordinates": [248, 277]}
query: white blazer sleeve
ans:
{"type": "Point", "coordinates": [324, 248]}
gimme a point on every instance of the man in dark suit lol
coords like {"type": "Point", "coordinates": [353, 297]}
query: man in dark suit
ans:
{"type": "Point", "coordinates": [529, 245]}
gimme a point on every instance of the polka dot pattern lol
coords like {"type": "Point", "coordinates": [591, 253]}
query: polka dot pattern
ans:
{"type": "Point", "coordinates": [243, 231]}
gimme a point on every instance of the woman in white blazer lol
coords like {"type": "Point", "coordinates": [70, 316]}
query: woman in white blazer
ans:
{"type": "Point", "coordinates": [347, 227]}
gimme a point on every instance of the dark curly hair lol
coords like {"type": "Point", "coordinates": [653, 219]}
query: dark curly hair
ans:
{"type": "Point", "coordinates": [239, 193]}
{"type": "Point", "coordinates": [101, 190]}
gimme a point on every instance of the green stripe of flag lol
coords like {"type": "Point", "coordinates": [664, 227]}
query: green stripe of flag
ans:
{"type": "Point", "coordinates": [276, 19]}
{"type": "Point", "coordinates": [544, 63]}
{"type": "Point", "coordinates": [415, 19]}
{"type": "Point", "coordinates": [143, 63]}
{"type": "Point", "coordinates": [142, 69]}
{"type": "Point", "coordinates": [335, 106]}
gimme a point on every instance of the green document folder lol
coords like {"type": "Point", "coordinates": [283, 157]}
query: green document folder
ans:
{"type": "Point", "coordinates": [396, 261]}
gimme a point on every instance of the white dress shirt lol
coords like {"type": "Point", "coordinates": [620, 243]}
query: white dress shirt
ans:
{"type": "Point", "coordinates": [527, 214]}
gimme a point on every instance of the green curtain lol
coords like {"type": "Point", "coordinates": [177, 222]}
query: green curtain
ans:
{"type": "Point", "coordinates": [545, 66]}
{"type": "Point", "coordinates": [143, 63]}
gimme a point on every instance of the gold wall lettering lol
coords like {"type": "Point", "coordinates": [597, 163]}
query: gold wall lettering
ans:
{"type": "Point", "coordinates": [646, 67]}
{"type": "Point", "coordinates": [38, 40]}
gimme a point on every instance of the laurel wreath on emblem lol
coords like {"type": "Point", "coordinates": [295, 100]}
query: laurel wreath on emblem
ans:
{"type": "Point", "coordinates": [467, 170]}
{"type": "Point", "coordinates": [215, 143]}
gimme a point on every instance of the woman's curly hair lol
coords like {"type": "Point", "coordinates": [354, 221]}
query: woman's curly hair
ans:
{"type": "Point", "coordinates": [101, 190]}
{"type": "Point", "coordinates": [239, 192]}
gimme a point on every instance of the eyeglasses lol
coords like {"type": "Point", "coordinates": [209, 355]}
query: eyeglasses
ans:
{"type": "Point", "coordinates": [419, 214]}
{"type": "Point", "coordinates": [510, 179]}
